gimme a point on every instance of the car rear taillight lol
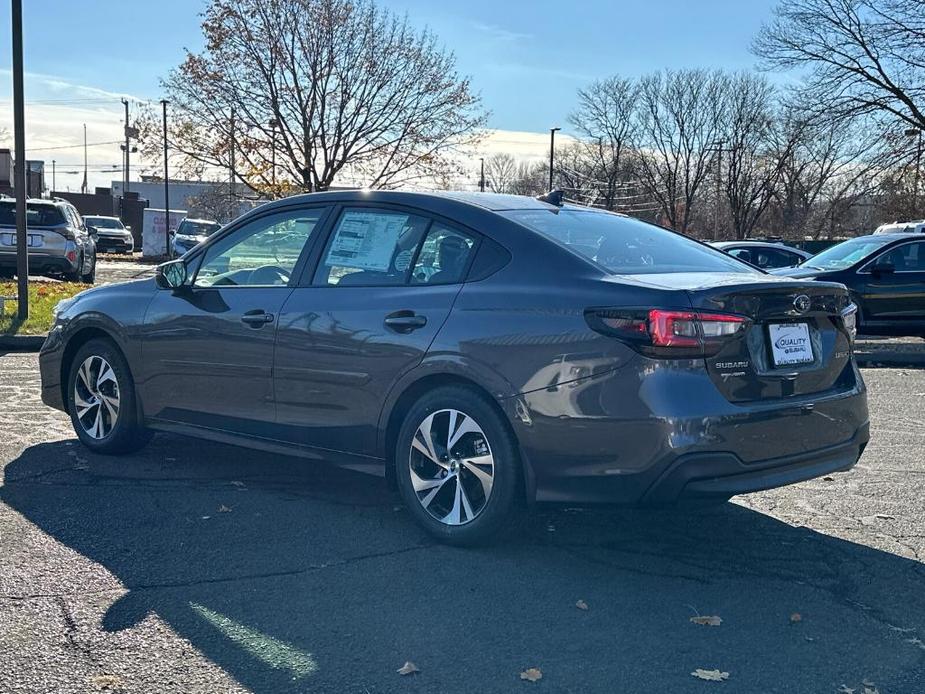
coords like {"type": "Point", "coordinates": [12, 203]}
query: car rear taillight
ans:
{"type": "Point", "coordinates": [669, 333]}
{"type": "Point", "coordinates": [850, 318]}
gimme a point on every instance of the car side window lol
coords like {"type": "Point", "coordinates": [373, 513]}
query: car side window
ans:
{"type": "Point", "coordinates": [262, 253]}
{"type": "Point", "coordinates": [910, 257]}
{"type": "Point", "coordinates": [444, 256]}
{"type": "Point", "coordinates": [743, 254]}
{"type": "Point", "coordinates": [371, 247]}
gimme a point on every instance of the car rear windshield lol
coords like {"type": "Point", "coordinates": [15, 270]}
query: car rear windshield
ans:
{"type": "Point", "coordinates": [37, 215]}
{"type": "Point", "coordinates": [846, 253]}
{"type": "Point", "coordinates": [197, 228]}
{"type": "Point", "coordinates": [624, 245]}
{"type": "Point", "coordinates": [104, 222]}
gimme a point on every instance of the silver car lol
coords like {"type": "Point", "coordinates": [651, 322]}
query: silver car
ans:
{"type": "Point", "coordinates": [59, 243]}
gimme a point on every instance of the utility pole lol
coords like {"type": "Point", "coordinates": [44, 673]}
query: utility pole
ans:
{"type": "Point", "coordinates": [231, 157]}
{"type": "Point", "coordinates": [482, 179]}
{"type": "Point", "coordinates": [19, 134]}
{"type": "Point", "coordinates": [916, 132]}
{"type": "Point", "coordinates": [53, 186]}
{"type": "Point", "coordinates": [552, 153]}
{"type": "Point", "coordinates": [84, 186]}
{"type": "Point", "coordinates": [126, 171]}
{"type": "Point", "coordinates": [166, 186]}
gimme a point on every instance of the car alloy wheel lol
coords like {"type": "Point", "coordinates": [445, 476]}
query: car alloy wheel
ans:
{"type": "Point", "coordinates": [96, 397]}
{"type": "Point", "coordinates": [452, 467]}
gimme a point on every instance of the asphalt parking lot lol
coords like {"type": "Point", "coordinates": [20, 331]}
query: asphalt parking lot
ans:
{"type": "Point", "coordinates": [193, 567]}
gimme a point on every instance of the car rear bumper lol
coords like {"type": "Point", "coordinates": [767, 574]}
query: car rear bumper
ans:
{"type": "Point", "coordinates": [39, 264]}
{"type": "Point", "coordinates": [624, 439]}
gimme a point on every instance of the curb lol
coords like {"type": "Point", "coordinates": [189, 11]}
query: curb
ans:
{"type": "Point", "coordinates": [21, 343]}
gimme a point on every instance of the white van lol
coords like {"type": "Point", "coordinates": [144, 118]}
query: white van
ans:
{"type": "Point", "coordinates": [914, 227]}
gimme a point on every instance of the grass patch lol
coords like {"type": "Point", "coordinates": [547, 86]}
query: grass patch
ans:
{"type": "Point", "coordinates": [43, 296]}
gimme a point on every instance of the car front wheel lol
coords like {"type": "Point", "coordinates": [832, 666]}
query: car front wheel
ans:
{"type": "Point", "coordinates": [101, 400]}
{"type": "Point", "coordinates": [457, 466]}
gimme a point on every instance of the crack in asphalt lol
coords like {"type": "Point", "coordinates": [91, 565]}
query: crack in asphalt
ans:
{"type": "Point", "coordinates": [166, 585]}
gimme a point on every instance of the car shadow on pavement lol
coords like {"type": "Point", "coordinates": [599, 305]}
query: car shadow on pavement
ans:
{"type": "Point", "coordinates": [293, 576]}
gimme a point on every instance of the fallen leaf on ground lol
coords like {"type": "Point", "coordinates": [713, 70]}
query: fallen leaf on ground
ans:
{"type": "Point", "coordinates": [581, 605]}
{"type": "Point", "coordinates": [710, 675]}
{"type": "Point", "coordinates": [707, 621]}
{"type": "Point", "coordinates": [531, 674]}
{"type": "Point", "coordinates": [796, 617]}
{"type": "Point", "coordinates": [408, 668]}
{"type": "Point", "coordinates": [106, 682]}
{"type": "Point", "coordinates": [224, 509]}
{"type": "Point", "coordinates": [828, 479]}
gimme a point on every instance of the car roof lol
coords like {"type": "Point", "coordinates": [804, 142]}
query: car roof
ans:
{"type": "Point", "coordinates": [200, 221]}
{"type": "Point", "coordinates": [494, 202]}
{"type": "Point", "coordinates": [773, 244]}
{"type": "Point", "coordinates": [100, 216]}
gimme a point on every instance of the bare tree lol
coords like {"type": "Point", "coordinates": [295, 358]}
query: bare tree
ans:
{"type": "Point", "coordinates": [500, 172]}
{"type": "Point", "coordinates": [332, 87]}
{"type": "Point", "coordinates": [606, 118]}
{"type": "Point", "coordinates": [832, 166]}
{"type": "Point", "coordinates": [758, 148]}
{"type": "Point", "coordinates": [863, 56]}
{"type": "Point", "coordinates": [531, 178]}
{"type": "Point", "coordinates": [679, 120]}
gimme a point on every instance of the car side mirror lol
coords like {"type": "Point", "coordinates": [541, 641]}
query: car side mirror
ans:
{"type": "Point", "coordinates": [93, 231]}
{"type": "Point", "coordinates": [884, 268]}
{"type": "Point", "coordinates": [171, 275]}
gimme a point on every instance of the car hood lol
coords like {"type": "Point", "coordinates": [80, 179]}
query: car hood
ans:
{"type": "Point", "coordinates": [802, 273]}
{"type": "Point", "coordinates": [186, 238]}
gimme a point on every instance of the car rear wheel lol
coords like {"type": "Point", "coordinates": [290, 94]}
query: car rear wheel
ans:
{"type": "Point", "coordinates": [101, 400]}
{"type": "Point", "coordinates": [457, 466]}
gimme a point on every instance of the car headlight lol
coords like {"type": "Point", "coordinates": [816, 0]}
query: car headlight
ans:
{"type": "Point", "coordinates": [61, 306]}
{"type": "Point", "coordinates": [850, 318]}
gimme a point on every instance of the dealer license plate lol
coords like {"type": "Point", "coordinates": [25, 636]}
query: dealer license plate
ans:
{"type": "Point", "coordinates": [790, 343]}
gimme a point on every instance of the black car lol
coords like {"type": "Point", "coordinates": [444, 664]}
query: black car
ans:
{"type": "Point", "coordinates": [476, 349]}
{"type": "Point", "coordinates": [767, 255]}
{"type": "Point", "coordinates": [885, 274]}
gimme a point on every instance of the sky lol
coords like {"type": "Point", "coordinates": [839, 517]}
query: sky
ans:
{"type": "Point", "coordinates": [526, 59]}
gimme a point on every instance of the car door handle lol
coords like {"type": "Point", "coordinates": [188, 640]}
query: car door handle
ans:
{"type": "Point", "coordinates": [257, 318]}
{"type": "Point", "coordinates": [405, 321]}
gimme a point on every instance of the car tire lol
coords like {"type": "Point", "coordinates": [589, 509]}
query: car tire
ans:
{"type": "Point", "coordinates": [454, 498]}
{"type": "Point", "coordinates": [101, 400]}
{"type": "Point", "coordinates": [90, 277]}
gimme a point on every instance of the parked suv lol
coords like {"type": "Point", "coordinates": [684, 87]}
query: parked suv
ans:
{"type": "Point", "coordinates": [191, 232]}
{"type": "Point", "coordinates": [111, 234]}
{"type": "Point", "coordinates": [59, 243]}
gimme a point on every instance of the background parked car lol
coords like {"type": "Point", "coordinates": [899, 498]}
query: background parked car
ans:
{"type": "Point", "coordinates": [60, 245]}
{"type": "Point", "coordinates": [111, 234]}
{"type": "Point", "coordinates": [885, 274]}
{"type": "Point", "coordinates": [192, 232]}
{"type": "Point", "coordinates": [766, 255]}
{"type": "Point", "coordinates": [915, 227]}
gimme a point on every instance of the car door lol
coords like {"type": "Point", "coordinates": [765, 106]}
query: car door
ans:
{"type": "Point", "coordinates": [385, 282]}
{"type": "Point", "coordinates": [208, 346]}
{"type": "Point", "coordinates": [897, 296]}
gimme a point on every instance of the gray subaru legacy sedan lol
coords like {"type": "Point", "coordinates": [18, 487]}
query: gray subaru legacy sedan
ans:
{"type": "Point", "coordinates": [476, 349]}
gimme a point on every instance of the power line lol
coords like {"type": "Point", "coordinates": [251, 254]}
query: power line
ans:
{"type": "Point", "coordinates": [89, 144]}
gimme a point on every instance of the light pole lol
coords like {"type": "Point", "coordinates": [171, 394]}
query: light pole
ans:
{"type": "Point", "coordinates": [552, 153]}
{"type": "Point", "coordinates": [717, 146]}
{"type": "Point", "coordinates": [917, 133]}
{"type": "Point", "coordinates": [19, 135]}
{"type": "Point", "coordinates": [482, 179]}
{"type": "Point", "coordinates": [166, 186]}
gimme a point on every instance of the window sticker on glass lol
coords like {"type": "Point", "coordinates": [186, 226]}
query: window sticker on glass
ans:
{"type": "Point", "coordinates": [366, 240]}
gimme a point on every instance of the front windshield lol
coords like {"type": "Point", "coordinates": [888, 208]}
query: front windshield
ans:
{"type": "Point", "coordinates": [104, 222]}
{"type": "Point", "coordinates": [845, 254]}
{"type": "Point", "coordinates": [624, 245]}
{"type": "Point", "coordinates": [190, 228]}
